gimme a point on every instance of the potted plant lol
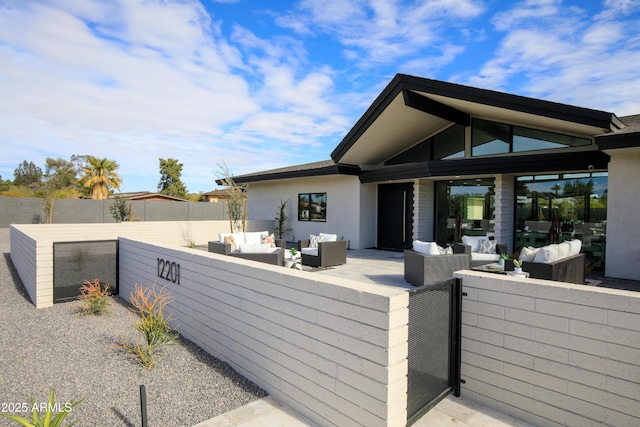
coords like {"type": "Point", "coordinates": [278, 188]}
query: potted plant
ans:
{"type": "Point", "coordinates": [503, 257]}
{"type": "Point", "coordinates": [517, 266]}
{"type": "Point", "coordinates": [290, 260]}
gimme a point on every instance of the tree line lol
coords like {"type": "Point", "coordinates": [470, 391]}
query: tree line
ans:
{"type": "Point", "coordinates": [85, 176]}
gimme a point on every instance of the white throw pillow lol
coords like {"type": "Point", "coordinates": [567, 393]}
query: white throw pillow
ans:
{"type": "Point", "coordinates": [487, 246]}
{"type": "Point", "coordinates": [238, 238]}
{"type": "Point", "coordinates": [576, 246]}
{"type": "Point", "coordinates": [445, 251]}
{"type": "Point", "coordinates": [547, 254]}
{"type": "Point", "coordinates": [427, 248]}
{"type": "Point", "coordinates": [268, 239]}
{"type": "Point", "coordinates": [473, 241]}
{"type": "Point", "coordinates": [223, 235]}
{"type": "Point", "coordinates": [564, 249]}
{"type": "Point", "coordinates": [528, 254]}
{"type": "Point", "coordinates": [314, 240]}
{"type": "Point", "coordinates": [254, 237]}
{"type": "Point", "coordinates": [328, 237]}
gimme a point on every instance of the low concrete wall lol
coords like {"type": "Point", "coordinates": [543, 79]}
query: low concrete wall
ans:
{"type": "Point", "coordinates": [32, 244]}
{"type": "Point", "coordinates": [334, 350]}
{"type": "Point", "coordinates": [551, 353]}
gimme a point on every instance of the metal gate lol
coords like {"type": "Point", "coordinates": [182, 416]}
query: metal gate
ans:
{"type": "Point", "coordinates": [434, 345]}
{"type": "Point", "coordinates": [76, 262]}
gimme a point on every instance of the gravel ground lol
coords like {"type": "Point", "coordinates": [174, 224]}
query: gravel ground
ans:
{"type": "Point", "coordinates": [57, 348]}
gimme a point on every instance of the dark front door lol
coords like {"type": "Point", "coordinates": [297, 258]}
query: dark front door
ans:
{"type": "Point", "coordinates": [395, 215]}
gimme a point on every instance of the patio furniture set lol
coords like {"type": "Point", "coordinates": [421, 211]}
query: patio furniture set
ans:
{"type": "Point", "coordinates": [425, 263]}
{"type": "Point", "coordinates": [429, 263]}
{"type": "Point", "coordinates": [323, 250]}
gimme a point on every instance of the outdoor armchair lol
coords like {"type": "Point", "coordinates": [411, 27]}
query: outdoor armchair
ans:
{"type": "Point", "coordinates": [325, 255]}
{"type": "Point", "coordinates": [421, 269]}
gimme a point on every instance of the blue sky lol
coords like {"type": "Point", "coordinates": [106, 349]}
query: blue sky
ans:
{"type": "Point", "coordinates": [264, 84]}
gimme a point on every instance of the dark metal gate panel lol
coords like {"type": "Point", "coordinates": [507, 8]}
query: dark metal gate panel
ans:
{"type": "Point", "coordinates": [76, 262]}
{"type": "Point", "coordinates": [434, 345]}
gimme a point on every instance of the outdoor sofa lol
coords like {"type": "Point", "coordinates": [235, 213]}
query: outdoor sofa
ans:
{"type": "Point", "coordinates": [483, 249]}
{"type": "Point", "coordinates": [255, 246]}
{"type": "Point", "coordinates": [428, 263]}
{"type": "Point", "coordinates": [323, 250]}
{"type": "Point", "coordinates": [561, 262]}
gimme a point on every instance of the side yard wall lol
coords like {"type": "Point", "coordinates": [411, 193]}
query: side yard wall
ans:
{"type": "Point", "coordinates": [72, 211]}
{"type": "Point", "coordinates": [334, 350]}
{"type": "Point", "coordinates": [550, 353]}
{"type": "Point", "coordinates": [32, 244]}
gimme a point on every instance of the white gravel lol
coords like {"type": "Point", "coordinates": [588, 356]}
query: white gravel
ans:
{"type": "Point", "coordinates": [41, 349]}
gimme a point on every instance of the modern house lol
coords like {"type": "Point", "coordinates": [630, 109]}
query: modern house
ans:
{"type": "Point", "coordinates": [432, 160]}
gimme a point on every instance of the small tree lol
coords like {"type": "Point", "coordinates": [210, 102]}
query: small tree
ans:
{"type": "Point", "coordinates": [281, 219]}
{"type": "Point", "coordinates": [170, 182]}
{"type": "Point", "coordinates": [237, 199]}
{"type": "Point", "coordinates": [118, 209]}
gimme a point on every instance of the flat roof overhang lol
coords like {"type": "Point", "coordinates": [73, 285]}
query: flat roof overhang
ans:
{"type": "Point", "coordinates": [302, 171]}
{"type": "Point", "coordinates": [483, 166]}
{"type": "Point", "coordinates": [411, 109]}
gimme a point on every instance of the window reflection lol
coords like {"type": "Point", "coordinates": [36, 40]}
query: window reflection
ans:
{"type": "Point", "coordinates": [464, 207]}
{"type": "Point", "coordinates": [575, 203]}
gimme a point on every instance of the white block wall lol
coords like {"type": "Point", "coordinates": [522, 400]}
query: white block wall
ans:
{"type": "Point", "coordinates": [32, 244]}
{"type": "Point", "coordinates": [334, 350]}
{"type": "Point", "coordinates": [551, 353]}
{"type": "Point", "coordinates": [423, 209]}
{"type": "Point", "coordinates": [623, 220]}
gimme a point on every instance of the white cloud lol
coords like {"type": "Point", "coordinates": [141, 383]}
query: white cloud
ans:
{"type": "Point", "coordinates": [137, 81]}
{"type": "Point", "coordinates": [558, 53]}
{"type": "Point", "coordinates": [382, 31]}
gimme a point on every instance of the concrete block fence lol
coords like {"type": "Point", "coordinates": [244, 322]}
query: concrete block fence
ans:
{"type": "Point", "coordinates": [32, 244]}
{"type": "Point", "coordinates": [334, 350]}
{"type": "Point", "coordinates": [550, 353]}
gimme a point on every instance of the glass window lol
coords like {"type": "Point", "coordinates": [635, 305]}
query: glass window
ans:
{"type": "Point", "coordinates": [489, 138]}
{"type": "Point", "coordinates": [448, 144]}
{"type": "Point", "coordinates": [531, 139]}
{"type": "Point", "coordinates": [497, 138]}
{"type": "Point", "coordinates": [578, 205]}
{"type": "Point", "coordinates": [464, 207]}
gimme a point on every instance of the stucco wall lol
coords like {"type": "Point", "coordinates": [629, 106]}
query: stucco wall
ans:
{"type": "Point", "coordinates": [551, 353]}
{"type": "Point", "coordinates": [32, 244]}
{"type": "Point", "coordinates": [343, 205]}
{"type": "Point", "coordinates": [623, 216]}
{"type": "Point", "coordinates": [332, 349]}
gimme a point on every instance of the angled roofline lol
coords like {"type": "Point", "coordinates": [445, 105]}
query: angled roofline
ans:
{"type": "Point", "coordinates": [403, 82]}
{"type": "Point", "coordinates": [326, 167]}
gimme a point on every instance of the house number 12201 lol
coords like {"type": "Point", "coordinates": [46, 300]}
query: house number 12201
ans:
{"type": "Point", "coordinates": [169, 270]}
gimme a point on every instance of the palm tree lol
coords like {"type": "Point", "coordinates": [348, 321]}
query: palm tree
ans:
{"type": "Point", "coordinates": [100, 176]}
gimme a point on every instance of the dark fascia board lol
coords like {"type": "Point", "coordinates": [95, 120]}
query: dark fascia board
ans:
{"type": "Point", "coordinates": [403, 82]}
{"type": "Point", "coordinates": [612, 141]}
{"type": "Point", "coordinates": [435, 108]}
{"type": "Point", "coordinates": [336, 169]}
{"type": "Point", "coordinates": [522, 165]}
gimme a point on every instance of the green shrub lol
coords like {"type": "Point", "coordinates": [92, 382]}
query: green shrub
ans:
{"type": "Point", "coordinates": [151, 322]}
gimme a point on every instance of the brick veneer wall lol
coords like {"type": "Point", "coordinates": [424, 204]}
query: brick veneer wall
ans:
{"type": "Point", "coordinates": [334, 350]}
{"type": "Point", "coordinates": [551, 353]}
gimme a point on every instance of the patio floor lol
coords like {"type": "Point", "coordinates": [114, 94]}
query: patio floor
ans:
{"type": "Point", "coordinates": [387, 268]}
